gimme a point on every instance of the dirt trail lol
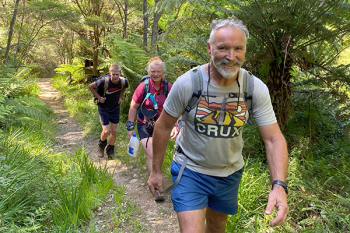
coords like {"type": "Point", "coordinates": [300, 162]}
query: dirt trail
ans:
{"type": "Point", "coordinates": [153, 217]}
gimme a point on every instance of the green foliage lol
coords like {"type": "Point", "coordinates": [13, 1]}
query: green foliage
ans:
{"type": "Point", "coordinates": [132, 56]}
{"type": "Point", "coordinates": [319, 199]}
{"type": "Point", "coordinates": [74, 70]}
{"type": "Point", "coordinates": [22, 182]}
{"type": "Point", "coordinates": [253, 145]}
{"type": "Point", "coordinates": [16, 102]}
{"type": "Point", "coordinates": [10, 84]}
{"type": "Point", "coordinates": [316, 115]}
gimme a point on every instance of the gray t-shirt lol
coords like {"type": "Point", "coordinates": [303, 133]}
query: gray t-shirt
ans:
{"type": "Point", "coordinates": [215, 149]}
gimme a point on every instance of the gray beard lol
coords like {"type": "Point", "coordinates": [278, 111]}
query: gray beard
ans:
{"type": "Point", "coordinates": [228, 74]}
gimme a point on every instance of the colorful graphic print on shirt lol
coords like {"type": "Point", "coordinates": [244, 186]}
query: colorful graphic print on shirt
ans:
{"type": "Point", "coordinates": [208, 115]}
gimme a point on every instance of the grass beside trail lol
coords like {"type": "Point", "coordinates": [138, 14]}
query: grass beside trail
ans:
{"type": "Point", "coordinates": [45, 191]}
{"type": "Point", "coordinates": [318, 196]}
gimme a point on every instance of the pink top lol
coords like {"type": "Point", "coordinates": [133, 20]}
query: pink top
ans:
{"type": "Point", "coordinates": [160, 99]}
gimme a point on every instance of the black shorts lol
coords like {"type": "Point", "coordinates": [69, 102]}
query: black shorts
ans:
{"type": "Point", "coordinates": [141, 129]}
{"type": "Point", "coordinates": [106, 117]}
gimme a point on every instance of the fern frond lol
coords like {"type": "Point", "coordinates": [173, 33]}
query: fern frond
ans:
{"type": "Point", "coordinates": [128, 52]}
{"type": "Point", "coordinates": [30, 112]}
{"type": "Point", "coordinates": [5, 110]}
{"type": "Point", "coordinates": [133, 77]}
{"type": "Point", "coordinates": [30, 101]}
{"type": "Point", "coordinates": [19, 107]}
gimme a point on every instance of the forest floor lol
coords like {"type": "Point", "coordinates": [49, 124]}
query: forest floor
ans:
{"type": "Point", "coordinates": [152, 216]}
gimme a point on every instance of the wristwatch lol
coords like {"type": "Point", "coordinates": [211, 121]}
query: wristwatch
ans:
{"type": "Point", "coordinates": [283, 184]}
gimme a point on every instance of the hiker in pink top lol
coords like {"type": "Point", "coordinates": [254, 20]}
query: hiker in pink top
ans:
{"type": "Point", "coordinates": [147, 103]}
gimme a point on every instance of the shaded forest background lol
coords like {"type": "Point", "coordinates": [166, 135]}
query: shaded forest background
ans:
{"type": "Point", "coordinates": [299, 48]}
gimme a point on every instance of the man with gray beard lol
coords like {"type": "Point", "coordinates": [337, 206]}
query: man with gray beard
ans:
{"type": "Point", "coordinates": [207, 166]}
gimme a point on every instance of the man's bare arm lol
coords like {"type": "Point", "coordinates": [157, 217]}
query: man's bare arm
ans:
{"type": "Point", "coordinates": [277, 158]}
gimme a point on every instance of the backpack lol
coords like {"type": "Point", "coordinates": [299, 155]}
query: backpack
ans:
{"type": "Point", "coordinates": [150, 121]}
{"type": "Point", "coordinates": [106, 77]}
{"type": "Point", "coordinates": [146, 89]}
{"type": "Point", "coordinates": [197, 79]}
{"type": "Point", "coordinates": [145, 79]}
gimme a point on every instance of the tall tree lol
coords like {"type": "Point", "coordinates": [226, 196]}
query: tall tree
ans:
{"type": "Point", "coordinates": [156, 16]}
{"type": "Point", "coordinates": [123, 12]}
{"type": "Point", "coordinates": [96, 14]}
{"type": "Point", "coordinates": [11, 31]}
{"type": "Point", "coordinates": [39, 16]}
{"type": "Point", "coordinates": [145, 25]}
{"type": "Point", "coordinates": [19, 36]}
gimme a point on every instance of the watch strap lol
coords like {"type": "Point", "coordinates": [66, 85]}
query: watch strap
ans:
{"type": "Point", "coordinates": [283, 184]}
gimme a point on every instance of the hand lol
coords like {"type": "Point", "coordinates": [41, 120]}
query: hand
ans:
{"type": "Point", "coordinates": [277, 198]}
{"type": "Point", "coordinates": [155, 183]}
{"type": "Point", "coordinates": [119, 101]}
{"type": "Point", "coordinates": [174, 132]}
{"type": "Point", "coordinates": [102, 100]}
{"type": "Point", "coordinates": [130, 133]}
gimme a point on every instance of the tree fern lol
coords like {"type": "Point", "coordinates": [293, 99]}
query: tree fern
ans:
{"type": "Point", "coordinates": [127, 52]}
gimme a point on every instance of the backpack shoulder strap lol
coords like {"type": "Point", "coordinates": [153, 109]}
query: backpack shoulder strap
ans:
{"type": "Point", "coordinates": [248, 86]}
{"type": "Point", "coordinates": [122, 81]}
{"type": "Point", "coordinates": [166, 92]}
{"type": "Point", "coordinates": [146, 88]}
{"type": "Point", "coordinates": [106, 85]}
{"type": "Point", "coordinates": [197, 87]}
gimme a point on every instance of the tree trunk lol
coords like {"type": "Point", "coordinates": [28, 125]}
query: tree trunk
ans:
{"type": "Point", "coordinates": [280, 91]}
{"type": "Point", "coordinates": [156, 18]}
{"type": "Point", "coordinates": [19, 36]}
{"type": "Point", "coordinates": [123, 12]}
{"type": "Point", "coordinates": [71, 48]}
{"type": "Point", "coordinates": [96, 44]}
{"type": "Point", "coordinates": [145, 25]}
{"type": "Point", "coordinates": [11, 32]}
{"type": "Point", "coordinates": [125, 23]}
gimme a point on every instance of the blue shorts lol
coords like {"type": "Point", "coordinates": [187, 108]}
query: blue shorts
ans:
{"type": "Point", "coordinates": [141, 129]}
{"type": "Point", "coordinates": [196, 191]}
{"type": "Point", "coordinates": [106, 117]}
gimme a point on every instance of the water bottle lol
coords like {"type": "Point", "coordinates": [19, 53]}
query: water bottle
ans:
{"type": "Point", "coordinates": [133, 146]}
